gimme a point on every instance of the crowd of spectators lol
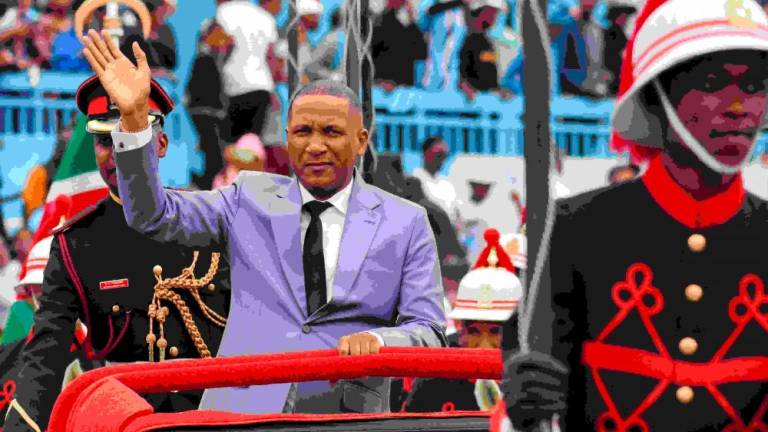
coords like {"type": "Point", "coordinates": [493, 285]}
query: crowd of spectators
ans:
{"type": "Point", "coordinates": [40, 35]}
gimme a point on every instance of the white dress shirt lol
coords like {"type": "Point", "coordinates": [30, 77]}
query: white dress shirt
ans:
{"type": "Point", "coordinates": [333, 226]}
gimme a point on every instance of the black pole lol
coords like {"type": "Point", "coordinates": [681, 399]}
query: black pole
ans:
{"type": "Point", "coordinates": [353, 54]}
{"type": "Point", "coordinates": [366, 68]}
{"type": "Point", "coordinates": [360, 77]}
{"type": "Point", "coordinates": [366, 73]}
{"type": "Point", "coordinates": [293, 49]}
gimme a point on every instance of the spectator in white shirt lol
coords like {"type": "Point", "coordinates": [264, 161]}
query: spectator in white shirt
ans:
{"type": "Point", "coordinates": [437, 187]}
{"type": "Point", "coordinates": [247, 76]}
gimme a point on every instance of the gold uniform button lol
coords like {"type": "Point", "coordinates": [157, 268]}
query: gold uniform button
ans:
{"type": "Point", "coordinates": [697, 242]}
{"type": "Point", "coordinates": [684, 395]}
{"type": "Point", "coordinates": [694, 292]}
{"type": "Point", "coordinates": [157, 270]}
{"type": "Point", "coordinates": [688, 345]}
{"type": "Point", "coordinates": [173, 351]}
{"type": "Point", "coordinates": [116, 309]}
{"type": "Point", "coordinates": [211, 287]}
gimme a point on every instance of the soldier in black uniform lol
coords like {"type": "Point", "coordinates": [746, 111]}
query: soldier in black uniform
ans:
{"type": "Point", "coordinates": [140, 300]}
{"type": "Point", "coordinates": [655, 317]}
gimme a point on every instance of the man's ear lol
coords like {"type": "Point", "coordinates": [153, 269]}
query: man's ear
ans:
{"type": "Point", "coordinates": [162, 143]}
{"type": "Point", "coordinates": [362, 141]}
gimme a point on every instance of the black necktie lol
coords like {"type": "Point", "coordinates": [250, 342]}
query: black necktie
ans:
{"type": "Point", "coordinates": [314, 262]}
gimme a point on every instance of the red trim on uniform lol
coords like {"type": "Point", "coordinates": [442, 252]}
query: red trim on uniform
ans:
{"type": "Point", "coordinates": [408, 384]}
{"type": "Point", "coordinates": [496, 302]}
{"type": "Point", "coordinates": [113, 284]}
{"type": "Point", "coordinates": [100, 105]}
{"type": "Point", "coordinates": [652, 365]}
{"type": "Point", "coordinates": [679, 204]}
{"type": "Point", "coordinates": [6, 394]}
{"type": "Point", "coordinates": [636, 292]}
{"type": "Point", "coordinates": [496, 305]}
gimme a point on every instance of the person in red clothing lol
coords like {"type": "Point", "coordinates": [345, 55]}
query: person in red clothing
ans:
{"type": "Point", "coordinates": [652, 314]}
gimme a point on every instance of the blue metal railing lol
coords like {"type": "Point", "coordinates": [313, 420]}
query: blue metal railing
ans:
{"type": "Point", "coordinates": [488, 125]}
{"type": "Point", "coordinates": [31, 116]}
{"type": "Point", "coordinates": [38, 112]}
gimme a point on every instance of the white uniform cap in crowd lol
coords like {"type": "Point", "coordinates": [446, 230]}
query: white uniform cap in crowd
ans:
{"type": "Point", "coordinates": [491, 291]}
{"type": "Point", "coordinates": [36, 262]}
{"type": "Point", "coordinates": [487, 294]}
{"type": "Point", "coordinates": [675, 32]}
{"type": "Point", "coordinates": [308, 7]}
{"type": "Point", "coordinates": [450, 328]}
{"type": "Point", "coordinates": [498, 4]}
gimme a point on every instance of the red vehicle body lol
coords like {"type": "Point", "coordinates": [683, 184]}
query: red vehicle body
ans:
{"type": "Point", "coordinates": [108, 399]}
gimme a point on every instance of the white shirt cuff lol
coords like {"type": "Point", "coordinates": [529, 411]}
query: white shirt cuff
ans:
{"type": "Point", "coordinates": [378, 336]}
{"type": "Point", "coordinates": [127, 141]}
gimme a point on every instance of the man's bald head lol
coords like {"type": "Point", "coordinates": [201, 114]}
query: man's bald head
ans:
{"type": "Point", "coordinates": [327, 88]}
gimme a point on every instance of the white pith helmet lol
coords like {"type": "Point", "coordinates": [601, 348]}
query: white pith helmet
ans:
{"type": "Point", "coordinates": [673, 33]}
{"type": "Point", "coordinates": [491, 291]}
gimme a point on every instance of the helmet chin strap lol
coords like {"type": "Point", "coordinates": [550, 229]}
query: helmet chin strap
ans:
{"type": "Point", "coordinates": [701, 153]}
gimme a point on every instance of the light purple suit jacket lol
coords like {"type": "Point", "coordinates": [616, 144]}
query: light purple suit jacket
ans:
{"type": "Point", "coordinates": [387, 278]}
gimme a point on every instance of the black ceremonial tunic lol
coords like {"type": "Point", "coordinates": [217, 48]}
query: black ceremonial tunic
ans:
{"type": "Point", "coordinates": [115, 266]}
{"type": "Point", "coordinates": [657, 305]}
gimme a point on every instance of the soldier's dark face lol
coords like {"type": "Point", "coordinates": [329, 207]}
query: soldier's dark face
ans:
{"type": "Point", "coordinates": [102, 146]}
{"type": "Point", "coordinates": [721, 101]}
{"type": "Point", "coordinates": [481, 334]}
{"type": "Point", "coordinates": [325, 137]}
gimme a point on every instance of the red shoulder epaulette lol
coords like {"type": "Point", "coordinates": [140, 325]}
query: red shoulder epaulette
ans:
{"type": "Point", "coordinates": [76, 218]}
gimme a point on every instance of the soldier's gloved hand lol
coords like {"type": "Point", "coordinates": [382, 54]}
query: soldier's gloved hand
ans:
{"type": "Point", "coordinates": [535, 389]}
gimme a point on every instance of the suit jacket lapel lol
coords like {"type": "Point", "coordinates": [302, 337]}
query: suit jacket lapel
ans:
{"type": "Point", "coordinates": [286, 223]}
{"type": "Point", "coordinates": [359, 229]}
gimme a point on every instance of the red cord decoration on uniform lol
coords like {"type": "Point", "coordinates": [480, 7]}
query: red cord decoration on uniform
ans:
{"type": "Point", "coordinates": [6, 394]}
{"type": "Point", "coordinates": [637, 292]}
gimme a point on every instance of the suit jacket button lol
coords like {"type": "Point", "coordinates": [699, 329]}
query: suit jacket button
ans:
{"type": "Point", "coordinates": [306, 329]}
{"type": "Point", "coordinates": [697, 242]}
{"type": "Point", "coordinates": [684, 395]}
